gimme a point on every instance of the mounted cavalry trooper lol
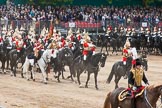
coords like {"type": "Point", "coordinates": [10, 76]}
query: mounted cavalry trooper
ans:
{"type": "Point", "coordinates": [122, 33]}
{"type": "Point", "coordinates": [126, 53]}
{"type": "Point", "coordinates": [148, 33]}
{"type": "Point", "coordinates": [38, 49]}
{"type": "Point", "coordinates": [154, 33]}
{"type": "Point", "coordinates": [108, 32]}
{"type": "Point", "coordinates": [135, 78]}
{"type": "Point", "coordinates": [9, 37]}
{"type": "Point", "coordinates": [133, 33]}
{"type": "Point", "coordinates": [70, 39]}
{"type": "Point", "coordinates": [88, 48]}
{"type": "Point", "coordinates": [115, 33]}
{"type": "Point", "coordinates": [78, 35]}
{"type": "Point", "coordinates": [54, 46]}
{"type": "Point", "coordinates": [128, 32]}
{"type": "Point", "coordinates": [70, 35]}
{"type": "Point", "coordinates": [159, 32]}
{"type": "Point", "coordinates": [82, 37]}
{"type": "Point", "coordinates": [142, 30]}
{"type": "Point", "coordinates": [20, 45]}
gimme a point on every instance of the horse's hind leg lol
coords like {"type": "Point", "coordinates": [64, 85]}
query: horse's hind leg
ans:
{"type": "Point", "coordinates": [3, 66]}
{"type": "Point", "coordinates": [88, 77]}
{"type": "Point", "coordinates": [14, 70]}
{"type": "Point", "coordinates": [71, 73]}
{"type": "Point", "coordinates": [62, 74]}
{"type": "Point", "coordinates": [58, 78]}
{"type": "Point", "coordinates": [11, 72]}
{"type": "Point", "coordinates": [117, 78]}
{"type": "Point", "coordinates": [101, 49]}
{"type": "Point", "coordinates": [107, 51]}
{"type": "Point", "coordinates": [78, 78]}
{"type": "Point", "coordinates": [95, 77]}
{"type": "Point", "coordinates": [32, 73]}
{"type": "Point", "coordinates": [44, 75]}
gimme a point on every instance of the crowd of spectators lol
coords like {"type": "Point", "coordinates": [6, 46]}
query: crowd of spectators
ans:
{"type": "Point", "coordinates": [90, 14]}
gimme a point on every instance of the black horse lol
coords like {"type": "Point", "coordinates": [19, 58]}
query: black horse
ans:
{"type": "Point", "coordinates": [15, 58]}
{"type": "Point", "coordinates": [92, 66]}
{"type": "Point", "coordinates": [57, 67]}
{"type": "Point", "coordinates": [64, 58]}
{"type": "Point", "coordinates": [157, 44]}
{"type": "Point", "coordinates": [77, 50]}
{"type": "Point", "coordinates": [119, 70]}
{"type": "Point", "coordinates": [105, 42]}
{"type": "Point", "coordinates": [3, 56]}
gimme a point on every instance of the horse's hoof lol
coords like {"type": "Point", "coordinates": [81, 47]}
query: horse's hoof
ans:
{"type": "Point", "coordinates": [86, 86]}
{"type": "Point", "coordinates": [59, 81]}
{"type": "Point", "coordinates": [68, 77]}
{"type": "Point", "coordinates": [45, 82]}
{"type": "Point", "coordinates": [97, 88]}
{"type": "Point", "coordinates": [47, 79]}
{"type": "Point", "coordinates": [27, 79]}
{"type": "Point", "coordinates": [107, 82]}
{"type": "Point", "coordinates": [55, 77]}
{"type": "Point", "coordinates": [33, 79]}
{"type": "Point", "coordinates": [75, 82]}
{"type": "Point", "coordinates": [80, 86]}
{"type": "Point", "coordinates": [125, 77]}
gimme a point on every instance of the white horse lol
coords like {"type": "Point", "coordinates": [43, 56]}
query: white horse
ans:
{"type": "Point", "coordinates": [26, 65]}
{"type": "Point", "coordinates": [42, 63]}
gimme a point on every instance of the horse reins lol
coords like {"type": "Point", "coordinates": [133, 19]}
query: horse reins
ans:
{"type": "Point", "coordinates": [145, 94]}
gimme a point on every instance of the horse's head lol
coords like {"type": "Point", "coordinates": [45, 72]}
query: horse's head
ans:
{"type": "Point", "coordinates": [103, 59]}
{"type": "Point", "coordinates": [67, 52]}
{"type": "Point", "coordinates": [129, 59]}
{"type": "Point", "coordinates": [152, 94]}
{"type": "Point", "coordinates": [98, 58]}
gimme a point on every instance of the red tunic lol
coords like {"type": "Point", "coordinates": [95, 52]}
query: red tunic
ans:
{"type": "Point", "coordinates": [125, 53]}
{"type": "Point", "coordinates": [1, 39]}
{"type": "Point", "coordinates": [85, 51]}
{"type": "Point", "coordinates": [19, 45]}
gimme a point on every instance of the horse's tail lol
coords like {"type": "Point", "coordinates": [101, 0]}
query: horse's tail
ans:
{"type": "Point", "coordinates": [107, 103]}
{"type": "Point", "coordinates": [110, 75]}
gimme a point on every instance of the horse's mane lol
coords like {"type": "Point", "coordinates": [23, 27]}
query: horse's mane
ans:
{"type": "Point", "coordinates": [154, 87]}
{"type": "Point", "coordinates": [97, 54]}
{"type": "Point", "coordinates": [95, 58]}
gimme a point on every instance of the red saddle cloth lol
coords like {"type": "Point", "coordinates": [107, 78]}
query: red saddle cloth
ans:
{"type": "Point", "coordinates": [134, 93]}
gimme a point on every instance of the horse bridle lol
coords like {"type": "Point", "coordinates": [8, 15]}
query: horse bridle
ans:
{"type": "Point", "coordinates": [145, 95]}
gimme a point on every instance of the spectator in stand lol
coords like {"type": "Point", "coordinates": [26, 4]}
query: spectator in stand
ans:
{"type": "Point", "coordinates": [81, 13]}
